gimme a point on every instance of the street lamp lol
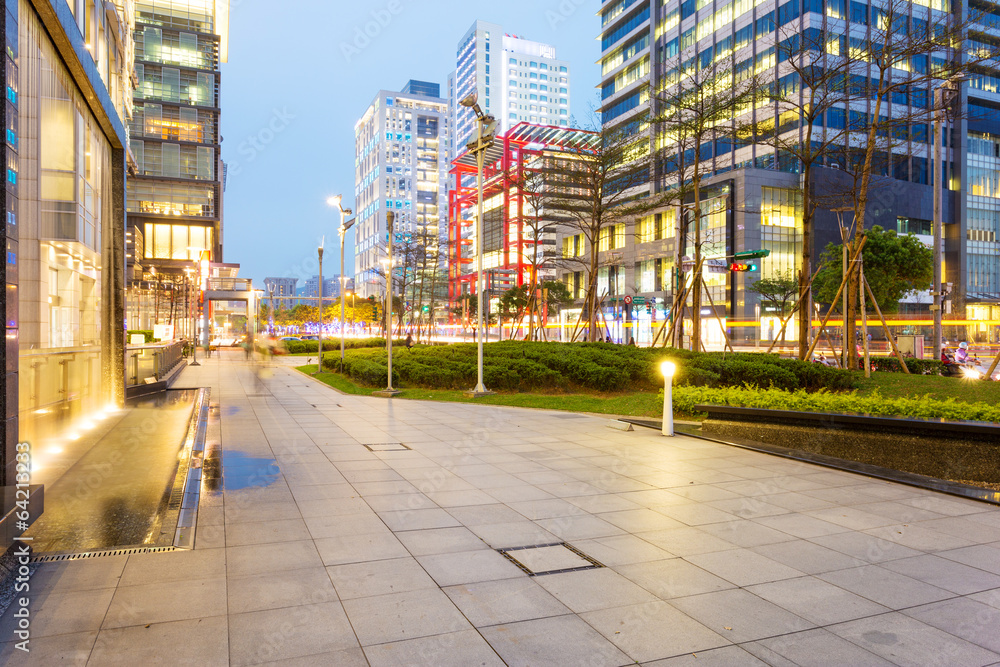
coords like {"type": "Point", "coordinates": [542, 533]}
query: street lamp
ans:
{"type": "Point", "coordinates": [335, 201]}
{"type": "Point", "coordinates": [319, 289]}
{"type": "Point", "coordinates": [194, 322]}
{"type": "Point", "coordinates": [668, 368]}
{"type": "Point", "coordinates": [944, 97]}
{"type": "Point", "coordinates": [485, 131]}
{"type": "Point", "coordinates": [390, 221]}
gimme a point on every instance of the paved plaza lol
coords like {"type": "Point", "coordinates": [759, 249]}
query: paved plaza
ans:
{"type": "Point", "coordinates": [393, 532]}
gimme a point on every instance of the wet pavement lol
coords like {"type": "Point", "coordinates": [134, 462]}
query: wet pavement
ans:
{"type": "Point", "coordinates": [117, 491]}
{"type": "Point", "coordinates": [354, 531]}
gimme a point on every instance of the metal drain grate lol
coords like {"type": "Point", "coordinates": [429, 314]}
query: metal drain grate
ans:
{"type": "Point", "coordinates": [541, 569]}
{"type": "Point", "coordinates": [128, 551]}
{"type": "Point", "coordinates": [387, 447]}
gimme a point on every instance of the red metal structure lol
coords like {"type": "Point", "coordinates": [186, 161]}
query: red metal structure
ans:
{"type": "Point", "coordinates": [506, 165]}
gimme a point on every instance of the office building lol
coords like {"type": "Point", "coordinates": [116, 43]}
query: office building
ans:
{"type": "Point", "coordinates": [515, 80]}
{"type": "Point", "coordinates": [65, 154]}
{"type": "Point", "coordinates": [175, 195]}
{"type": "Point", "coordinates": [401, 164]}
{"type": "Point", "coordinates": [752, 196]}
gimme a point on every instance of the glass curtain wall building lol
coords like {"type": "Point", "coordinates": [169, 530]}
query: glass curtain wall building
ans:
{"type": "Point", "coordinates": [401, 164]}
{"type": "Point", "coordinates": [175, 195]}
{"type": "Point", "coordinates": [65, 151]}
{"type": "Point", "coordinates": [515, 79]}
{"type": "Point", "coordinates": [754, 193]}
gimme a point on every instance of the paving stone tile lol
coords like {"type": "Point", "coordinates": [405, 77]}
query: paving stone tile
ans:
{"type": "Point", "coordinates": [673, 578]}
{"type": "Point", "coordinates": [906, 641]}
{"type": "Point", "coordinates": [262, 532]}
{"type": "Point", "coordinates": [359, 548]}
{"type": "Point", "coordinates": [440, 540]}
{"type": "Point", "coordinates": [504, 601]}
{"type": "Point", "coordinates": [813, 648]}
{"type": "Point", "coordinates": [291, 632]}
{"type": "Point", "coordinates": [621, 550]}
{"type": "Point", "coordinates": [402, 616]}
{"type": "Point", "coordinates": [945, 573]}
{"type": "Point", "coordinates": [885, 587]}
{"type": "Point", "coordinates": [967, 618]}
{"type": "Point", "coordinates": [521, 533]}
{"type": "Point", "coordinates": [743, 567]}
{"type": "Point", "coordinates": [264, 558]}
{"type": "Point", "coordinates": [381, 577]}
{"type": "Point", "coordinates": [590, 590]}
{"type": "Point", "coordinates": [164, 602]}
{"type": "Point", "coordinates": [55, 613]}
{"type": "Point", "coordinates": [558, 641]}
{"type": "Point", "coordinates": [274, 590]}
{"type": "Point", "coordinates": [808, 557]}
{"type": "Point", "coordinates": [468, 567]}
{"type": "Point", "coordinates": [454, 649]}
{"type": "Point", "coordinates": [817, 600]}
{"type": "Point", "coordinates": [653, 630]}
{"type": "Point", "coordinates": [201, 641]}
{"type": "Point", "coordinates": [740, 616]}
{"type": "Point", "coordinates": [730, 656]}
{"type": "Point", "coordinates": [66, 649]}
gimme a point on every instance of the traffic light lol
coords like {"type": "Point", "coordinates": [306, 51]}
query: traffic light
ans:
{"type": "Point", "coordinates": [740, 267]}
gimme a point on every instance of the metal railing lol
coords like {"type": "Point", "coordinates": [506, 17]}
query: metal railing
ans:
{"type": "Point", "coordinates": [152, 361]}
{"type": "Point", "coordinates": [229, 284]}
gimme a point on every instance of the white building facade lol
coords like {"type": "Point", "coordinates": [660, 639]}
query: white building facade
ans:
{"type": "Point", "coordinates": [401, 164]}
{"type": "Point", "coordinates": [515, 80]}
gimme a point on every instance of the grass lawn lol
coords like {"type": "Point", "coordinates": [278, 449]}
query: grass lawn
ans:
{"type": "Point", "coordinates": [639, 404]}
{"type": "Point", "coordinates": [899, 385]}
{"type": "Point", "coordinates": [649, 404]}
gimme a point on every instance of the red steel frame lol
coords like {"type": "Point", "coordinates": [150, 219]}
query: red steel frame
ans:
{"type": "Point", "coordinates": [498, 176]}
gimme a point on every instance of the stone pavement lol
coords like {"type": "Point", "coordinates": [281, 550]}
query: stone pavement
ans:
{"type": "Point", "coordinates": [711, 555]}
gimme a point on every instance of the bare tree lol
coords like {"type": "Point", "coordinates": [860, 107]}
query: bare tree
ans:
{"type": "Point", "coordinates": [601, 186]}
{"type": "Point", "coordinates": [810, 107]}
{"type": "Point", "coordinates": [700, 106]}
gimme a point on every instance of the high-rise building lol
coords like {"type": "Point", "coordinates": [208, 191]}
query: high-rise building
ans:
{"type": "Point", "coordinates": [515, 80]}
{"type": "Point", "coordinates": [752, 194]}
{"type": "Point", "coordinates": [67, 83]}
{"type": "Point", "coordinates": [175, 196]}
{"type": "Point", "coordinates": [401, 164]}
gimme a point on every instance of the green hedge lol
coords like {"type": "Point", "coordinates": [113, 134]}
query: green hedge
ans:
{"type": "Point", "coordinates": [916, 366]}
{"type": "Point", "coordinates": [312, 346]}
{"type": "Point", "coordinates": [532, 366]}
{"type": "Point", "coordinates": [922, 407]}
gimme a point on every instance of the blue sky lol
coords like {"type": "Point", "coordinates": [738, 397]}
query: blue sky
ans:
{"type": "Point", "coordinates": [299, 77]}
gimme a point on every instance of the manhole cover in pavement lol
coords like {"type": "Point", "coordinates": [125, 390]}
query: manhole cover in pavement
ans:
{"type": "Point", "coordinates": [549, 559]}
{"type": "Point", "coordinates": [387, 447]}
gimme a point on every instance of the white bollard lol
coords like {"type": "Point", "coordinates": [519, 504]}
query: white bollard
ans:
{"type": "Point", "coordinates": [668, 368]}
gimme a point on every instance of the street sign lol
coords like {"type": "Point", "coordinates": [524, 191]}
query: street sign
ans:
{"type": "Point", "coordinates": [717, 266]}
{"type": "Point", "coordinates": [628, 300]}
{"type": "Point", "coordinates": [638, 300]}
{"type": "Point", "coordinates": [752, 254]}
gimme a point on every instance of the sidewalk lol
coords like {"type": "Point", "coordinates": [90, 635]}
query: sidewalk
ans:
{"type": "Point", "coordinates": [710, 555]}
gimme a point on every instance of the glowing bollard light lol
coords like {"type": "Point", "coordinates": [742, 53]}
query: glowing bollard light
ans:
{"type": "Point", "coordinates": [668, 368]}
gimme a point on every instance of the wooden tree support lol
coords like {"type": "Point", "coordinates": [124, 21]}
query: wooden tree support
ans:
{"type": "Point", "coordinates": [711, 302]}
{"type": "Point", "coordinates": [840, 290]}
{"type": "Point", "coordinates": [885, 327]}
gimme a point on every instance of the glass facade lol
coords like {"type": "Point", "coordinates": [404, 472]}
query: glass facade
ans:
{"type": "Point", "coordinates": [65, 225]}
{"type": "Point", "coordinates": [983, 219]}
{"type": "Point", "coordinates": [781, 231]}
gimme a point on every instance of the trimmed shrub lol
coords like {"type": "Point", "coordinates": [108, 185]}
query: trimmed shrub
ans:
{"type": "Point", "coordinates": [916, 366]}
{"type": "Point", "coordinates": [920, 407]}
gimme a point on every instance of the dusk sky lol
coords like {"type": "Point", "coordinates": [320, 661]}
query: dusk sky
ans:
{"type": "Point", "coordinates": [297, 81]}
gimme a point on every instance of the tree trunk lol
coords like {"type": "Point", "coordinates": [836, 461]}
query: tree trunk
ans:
{"type": "Point", "coordinates": [805, 273]}
{"type": "Point", "coordinates": [592, 288]}
{"type": "Point", "coordinates": [696, 289]}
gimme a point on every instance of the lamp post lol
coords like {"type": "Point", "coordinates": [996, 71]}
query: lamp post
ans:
{"type": "Point", "coordinates": [485, 129]}
{"type": "Point", "coordinates": [390, 221]}
{"type": "Point", "coordinates": [194, 322]}
{"type": "Point", "coordinates": [668, 368]}
{"type": "Point", "coordinates": [319, 290]}
{"type": "Point", "coordinates": [944, 98]}
{"type": "Point", "coordinates": [344, 226]}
